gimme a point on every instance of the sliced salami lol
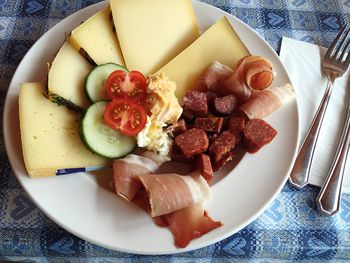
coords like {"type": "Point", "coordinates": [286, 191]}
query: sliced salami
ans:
{"type": "Point", "coordinates": [211, 96]}
{"type": "Point", "coordinates": [236, 125]}
{"type": "Point", "coordinates": [196, 102]}
{"type": "Point", "coordinates": [211, 124]}
{"type": "Point", "coordinates": [203, 166]}
{"type": "Point", "coordinates": [224, 159]}
{"type": "Point", "coordinates": [178, 156]}
{"type": "Point", "coordinates": [256, 134]}
{"type": "Point", "coordinates": [192, 142]}
{"type": "Point", "coordinates": [225, 105]}
{"type": "Point", "coordinates": [221, 146]}
{"type": "Point", "coordinates": [177, 129]}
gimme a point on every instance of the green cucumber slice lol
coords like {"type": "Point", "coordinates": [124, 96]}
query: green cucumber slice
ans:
{"type": "Point", "coordinates": [95, 81]}
{"type": "Point", "coordinates": [101, 139]}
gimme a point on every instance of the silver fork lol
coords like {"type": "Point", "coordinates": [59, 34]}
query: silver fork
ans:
{"type": "Point", "coordinates": [335, 64]}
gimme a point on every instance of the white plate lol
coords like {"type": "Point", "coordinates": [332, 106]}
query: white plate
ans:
{"type": "Point", "coordinates": [82, 203]}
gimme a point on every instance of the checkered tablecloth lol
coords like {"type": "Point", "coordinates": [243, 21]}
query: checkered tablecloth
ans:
{"type": "Point", "coordinates": [290, 230]}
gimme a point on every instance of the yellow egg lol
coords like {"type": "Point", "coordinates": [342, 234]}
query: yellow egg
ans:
{"type": "Point", "coordinates": [165, 109]}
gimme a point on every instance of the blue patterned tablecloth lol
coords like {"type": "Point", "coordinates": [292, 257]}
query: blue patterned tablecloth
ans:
{"type": "Point", "coordinates": [290, 230]}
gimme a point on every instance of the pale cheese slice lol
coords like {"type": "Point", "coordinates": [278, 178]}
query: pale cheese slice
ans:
{"type": "Point", "coordinates": [96, 37]}
{"type": "Point", "coordinates": [219, 43]}
{"type": "Point", "coordinates": [66, 77]}
{"type": "Point", "coordinates": [152, 32]}
{"type": "Point", "coordinates": [50, 136]}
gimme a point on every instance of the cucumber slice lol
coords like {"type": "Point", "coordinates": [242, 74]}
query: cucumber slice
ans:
{"type": "Point", "coordinates": [95, 81]}
{"type": "Point", "coordinates": [99, 138]}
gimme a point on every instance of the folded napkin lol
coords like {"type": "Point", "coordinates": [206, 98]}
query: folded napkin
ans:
{"type": "Point", "coordinates": [303, 62]}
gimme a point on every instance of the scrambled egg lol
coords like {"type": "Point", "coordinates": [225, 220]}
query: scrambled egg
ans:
{"type": "Point", "coordinates": [164, 109]}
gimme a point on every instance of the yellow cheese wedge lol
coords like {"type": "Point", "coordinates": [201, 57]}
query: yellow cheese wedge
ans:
{"type": "Point", "coordinates": [66, 77]}
{"type": "Point", "coordinates": [219, 43]}
{"type": "Point", "coordinates": [50, 137]}
{"type": "Point", "coordinates": [152, 32]}
{"type": "Point", "coordinates": [96, 37]}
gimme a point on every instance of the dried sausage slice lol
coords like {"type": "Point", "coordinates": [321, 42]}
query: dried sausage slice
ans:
{"type": "Point", "coordinates": [211, 124]}
{"type": "Point", "coordinates": [192, 142]}
{"type": "Point", "coordinates": [177, 129]}
{"type": "Point", "coordinates": [221, 146]}
{"type": "Point", "coordinates": [236, 125]}
{"type": "Point", "coordinates": [211, 96]}
{"type": "Point", "coordinates": [203, 166]}
{"type": "Point", "coordinates": [225, 105]}
{"type": "Point", "coordinates": [227, 157]}
{"type": "Point", "coordinates": [256, 134]}
{"type": "Point", "coordinates": [196, 102]}
{"type": "Point", "coordinates": [178, 156]}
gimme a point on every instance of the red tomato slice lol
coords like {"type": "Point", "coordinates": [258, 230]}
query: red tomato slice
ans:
{"type": "Point", "coordinates": [125, 115]}
{"type": "Point", "coordinates": [129, 85]}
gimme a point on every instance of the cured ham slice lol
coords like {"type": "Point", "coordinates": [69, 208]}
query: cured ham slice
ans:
{"type": "Point", "coordinates": [258, 72]}
{"type": "Point", "coordinates": [126, 168]}
{"type": "Point", "coordinates": [252, 72]}
{"type": "Point", "coordinates": [211, 78]}
{"type": "Point", "coordinates": [189, 223]}
{"type": "Point", "coordinates": [235, 84]}
{"type": "Point", "coordinates": [264, 102]}
{"type": "Point", "coordinates": [173, 200]}
{"type": "Point", "coordinates": [171, 192]}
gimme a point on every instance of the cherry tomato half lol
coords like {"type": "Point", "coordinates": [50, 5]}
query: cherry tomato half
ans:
{"type": "Point", "coordinates": [129, 85]}
{"type": "Point", "coordinates": [126, 116]}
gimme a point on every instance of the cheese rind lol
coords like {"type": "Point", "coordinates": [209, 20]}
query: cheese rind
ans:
{"type": "Point", "coordinates": [96, 37]}
{"type": "Point", "coordinates": [219, 43]}
{"type": "Point", "coordinates": [50, 136]}
{"type": "Point", "coordinates": [152, 32]}
{"type": "Point", "coordinates": [67, 75]}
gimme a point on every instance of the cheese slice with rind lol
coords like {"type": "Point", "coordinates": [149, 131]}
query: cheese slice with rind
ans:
{"type": "Point", "coordinates": [95, 39]}
{"type": "Point", "coordinates": [152, 32]}
{"type": "Point", "coordinates": [66, 78]}
{"type": "Point", "coordinates": [50, 136]}
{"type": "Point", "coordinates": [219, 43]}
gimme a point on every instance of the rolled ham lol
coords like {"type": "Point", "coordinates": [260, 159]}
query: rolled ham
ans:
{"type": "Point", "coordinates": [264, 102]}
{"type": "Point", "coordinates": [189, 223]}
{"type": "Point", "coordinates": [171, 192]}
{"type": "Point", "coordinates": [214, 74]}
{"type": "Point", "coordinates": [125, 169]}
{"type": "Point", "coordinates": [235, 84]}
{"type": "Point", "coordinates": [258, 72]}
{"type": "Point", "coordinates": [251, 72]}
{"type": "Point", "coordinates": [173, 200]}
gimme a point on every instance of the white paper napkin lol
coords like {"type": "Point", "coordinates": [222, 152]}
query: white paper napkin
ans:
{"type": "Point", "coordinates": [303, 63]}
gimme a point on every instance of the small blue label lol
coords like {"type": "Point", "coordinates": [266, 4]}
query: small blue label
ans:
{"type": "Point", "coordinates": [64, 171]}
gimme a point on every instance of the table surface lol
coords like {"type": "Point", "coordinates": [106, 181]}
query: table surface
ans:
{"type": "Point", "coordinates": [290, 230]}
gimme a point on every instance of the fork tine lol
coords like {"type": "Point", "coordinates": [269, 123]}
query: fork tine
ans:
{"type": "Point", "coordinates": [341, 53]}
{"type": "Point", "coordinates": [332, 50]}
{"type": "Point", "coordinates": [346, 54]}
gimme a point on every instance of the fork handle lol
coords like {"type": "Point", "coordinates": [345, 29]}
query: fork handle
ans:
{"type": "Point", "coordinates": [299, 176]}
{"type": "Point", "coordinates": [328, 199]}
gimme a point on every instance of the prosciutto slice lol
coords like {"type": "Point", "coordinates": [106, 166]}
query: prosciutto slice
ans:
{"type": "Point", "coordinates": [258, 72]}
{"type": "Point", "coordinates": [236, 85]}
{"type": "Point", "coordinates": [125, 169]}
{"type": "Point", "coordinates": [213, 75]}
{"type": "Point", "coordinates": [171, 192]}
{"type": "Point", "coordinates": [173, 200]}
{"type": "Point", "coordinates": [251, 72]}
{"type": "Point", "coordinates": [190, 223]}
{"type": "Point", "coordinates": [264, 102]}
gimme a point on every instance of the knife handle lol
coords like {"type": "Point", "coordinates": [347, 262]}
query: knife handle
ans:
{"type": "Point", "coordinates": [328, 199]}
